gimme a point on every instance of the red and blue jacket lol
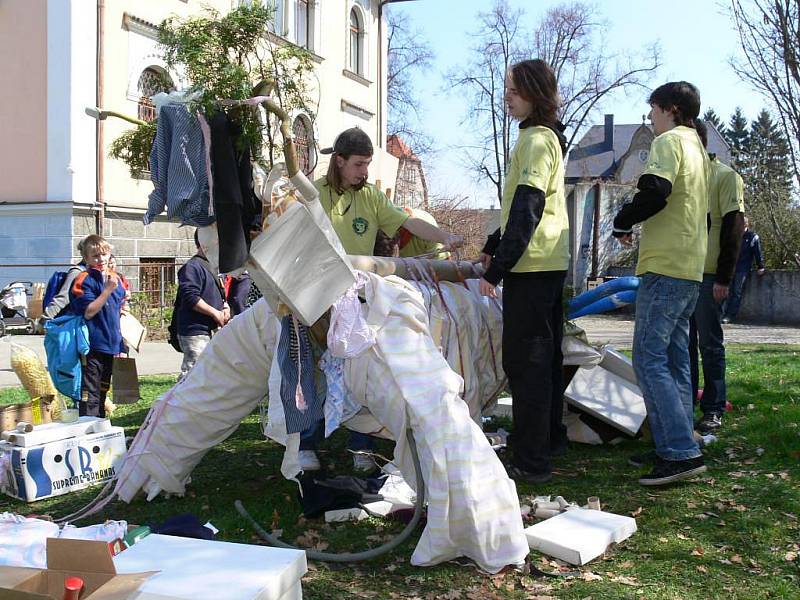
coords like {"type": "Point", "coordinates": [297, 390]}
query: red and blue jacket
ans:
{"type": "Point", "coordinates": [104, 331]}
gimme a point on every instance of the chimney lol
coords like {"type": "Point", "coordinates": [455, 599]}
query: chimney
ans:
{"type": "Point", "coordinates": [608, 133]}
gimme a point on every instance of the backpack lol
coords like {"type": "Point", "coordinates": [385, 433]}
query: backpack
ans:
{"type": "Point", "coordinates": [54, 285]}
{"type": "Point", "coordinates": [172, 328]}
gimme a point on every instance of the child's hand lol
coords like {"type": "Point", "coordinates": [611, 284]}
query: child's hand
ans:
{"type": "Point", "coordinates": [111, 281]}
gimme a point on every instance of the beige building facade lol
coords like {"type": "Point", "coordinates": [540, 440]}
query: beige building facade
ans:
{"type": "Point", "coordinates": [54, 176]}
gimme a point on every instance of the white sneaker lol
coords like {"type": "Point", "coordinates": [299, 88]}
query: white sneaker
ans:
{"type": "Point", "coordinates": [362, 462]}
{"type": "Point", "coordinates": [309, 460]}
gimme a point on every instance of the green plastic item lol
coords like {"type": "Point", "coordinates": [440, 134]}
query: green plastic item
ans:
{"type": "Point", "coordinates": [135, 535]}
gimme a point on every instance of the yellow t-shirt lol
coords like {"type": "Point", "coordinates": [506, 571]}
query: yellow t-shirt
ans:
{"type": "Point", "coordinates": [537, 161]}
{"type": "Point", "coordinates": [725, 195]}
{"type": "Point", "coordinates": [356, 216]}
{"type": "Point", "coordinates": [674, 240]}
{"type": "Point", "coordinates": [416, 245]}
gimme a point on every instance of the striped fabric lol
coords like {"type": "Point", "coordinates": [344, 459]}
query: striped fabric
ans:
{"type": "Point", "coordinates": [294, 352]}
{"type": "Point", "coordinates": [473, 508]}
{"type": "Point", "coordinates": [178, 169]}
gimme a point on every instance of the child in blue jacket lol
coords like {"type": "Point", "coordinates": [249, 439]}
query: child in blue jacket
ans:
{"type": "Point", "coordinates": [98, 295]}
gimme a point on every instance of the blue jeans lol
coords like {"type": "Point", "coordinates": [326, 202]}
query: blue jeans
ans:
{"type": "Point", "coordinates": [661, 361]}
{"type": "Point", "coordinates": [707, 328]}
{"type": "Point", "coordinates": [731, 307]}
{"type": "Point", "coordinates": [311, 438]}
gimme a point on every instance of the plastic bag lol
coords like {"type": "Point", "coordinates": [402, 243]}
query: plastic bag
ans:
{"type": "Point", "coordinates": [31, 372]}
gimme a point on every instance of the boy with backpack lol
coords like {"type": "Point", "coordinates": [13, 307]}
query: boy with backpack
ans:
{"type": "Point", "coordinates": [55, 302]}
{"type": "Point", "coordinates": [97, 294]}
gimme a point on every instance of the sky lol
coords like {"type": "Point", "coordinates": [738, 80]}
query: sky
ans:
{"type": "Point", "coordinates": [696, 39]}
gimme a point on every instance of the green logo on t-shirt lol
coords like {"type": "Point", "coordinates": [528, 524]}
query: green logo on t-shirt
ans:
{"type": "Point", "coordinates": [360, 225]}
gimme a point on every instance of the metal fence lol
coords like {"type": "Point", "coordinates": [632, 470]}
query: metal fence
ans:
{"type": "Point", "coordinates": [153, 284]}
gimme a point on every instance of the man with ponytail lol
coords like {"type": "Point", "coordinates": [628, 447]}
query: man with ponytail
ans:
{"type": "Point", "coordinates": [671, 204]}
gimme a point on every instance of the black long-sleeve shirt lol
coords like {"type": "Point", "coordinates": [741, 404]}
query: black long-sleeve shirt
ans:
{"type": "Point", "coordinates": [527, 207]}
{"type": "Point", "coordinates": [648, 201]}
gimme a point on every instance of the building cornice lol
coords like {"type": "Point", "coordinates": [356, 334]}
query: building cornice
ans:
{"type": "Point", "coordinates": [140, 26]}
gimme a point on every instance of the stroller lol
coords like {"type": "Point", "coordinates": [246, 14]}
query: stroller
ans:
{"type": "Point", "coordinates": [14, 307]}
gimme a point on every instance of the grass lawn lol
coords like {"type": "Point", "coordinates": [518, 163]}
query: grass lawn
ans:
{"type": "Point", "coordinates": [733, 534]}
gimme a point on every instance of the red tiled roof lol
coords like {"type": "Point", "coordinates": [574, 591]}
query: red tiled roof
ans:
{"type": "Point", "coordinates": [399, 149]}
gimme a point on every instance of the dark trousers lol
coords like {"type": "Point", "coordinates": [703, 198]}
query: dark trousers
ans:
{"type": "Point", "coordinates": [95, 381]}
{"type": "Point", "coordinates": [533, 325]}
{"type": "Point", "coordinates": [706, 326]}
{"type": "Point", "coordinates": [730, 309]}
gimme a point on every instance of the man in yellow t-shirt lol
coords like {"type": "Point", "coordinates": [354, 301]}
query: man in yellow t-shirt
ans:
{"type": "Point", "coordinates": [726, 218]}
{"type": "Point", "coordinates": [357, 211]}
{"type": "Point", "coordinates": [672, 202]}
{"type": "Point", "coordinates": [410, 245]}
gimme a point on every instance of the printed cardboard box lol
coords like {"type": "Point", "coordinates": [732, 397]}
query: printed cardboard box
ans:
{"type": "Point", "coordinates": [89, 560]}
{"type": "Point", "coordinates": [62, 466]}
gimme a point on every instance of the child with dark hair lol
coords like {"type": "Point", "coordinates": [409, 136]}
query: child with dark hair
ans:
{"type": "Point", "coordinates": [530, 254]}
{"type": "Point", "coordinates": [672, 203]}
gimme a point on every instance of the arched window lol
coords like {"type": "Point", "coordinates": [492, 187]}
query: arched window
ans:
{"type": "Point", "coordinates": [152, 81]}
{"type": "Point", "coordinates": [304, 142]}
{"type": "Point", "coordinates": [356, 43]}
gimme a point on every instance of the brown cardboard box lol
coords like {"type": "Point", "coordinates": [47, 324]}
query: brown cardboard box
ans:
{"type": "Point", "coordinates": [89, 560]}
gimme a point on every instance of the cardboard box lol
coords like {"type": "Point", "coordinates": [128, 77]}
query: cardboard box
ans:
{"type": "Point", "coordinates": [579, 535]}
{"type": "Point", "coordinates": [61, 466]}
{"type": "Point", "coordinates": [194, 569]}
{"type": "Point", "coordinates": [89, 560]}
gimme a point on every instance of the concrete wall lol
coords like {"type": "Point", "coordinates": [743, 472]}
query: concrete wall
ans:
{"type": "Point", "coordinates": [773, 299]}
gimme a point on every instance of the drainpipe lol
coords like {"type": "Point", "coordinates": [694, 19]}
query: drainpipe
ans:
{"type": "Point", "coordinates": [381, 116]}
{"type": "Point", "coordinates": [100, 214]}
{"type": "Point", "coordinates": [596, 229]}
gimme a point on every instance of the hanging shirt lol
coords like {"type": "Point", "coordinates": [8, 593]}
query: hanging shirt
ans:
{"type": "Point", "coordinates": [356, 216]}
{"type": "Point", "coordinates": [178, 169]}
{"type": "Point", "coordinates": [537, 162]}
{"type": "Point", "coordinates": [674, 240]}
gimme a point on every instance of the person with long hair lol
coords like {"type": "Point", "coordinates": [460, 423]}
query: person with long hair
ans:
{"type": "Point", "coordinates": [530, 254]}
{"type": "Point", "coordinates": [671, 204]}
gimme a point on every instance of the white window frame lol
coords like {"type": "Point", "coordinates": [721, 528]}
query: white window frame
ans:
{"type": "Point", "coordinates": [362, 56]}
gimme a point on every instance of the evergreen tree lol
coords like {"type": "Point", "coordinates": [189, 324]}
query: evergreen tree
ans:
{"type": "Point", "coordinates": [712, 117]}
{"type": "Point", "coordinates": [736, 135]}
{"type": "Point", "coordinates": [767, 174]}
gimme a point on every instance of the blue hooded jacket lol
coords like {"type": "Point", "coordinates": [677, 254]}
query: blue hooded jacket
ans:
{"type": "Point", "coordinates": [65, 341]}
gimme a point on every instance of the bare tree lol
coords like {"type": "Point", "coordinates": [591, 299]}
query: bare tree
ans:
{"type": "Point", "coordinates": [409, 53]}
{"type": "Point", "coordinates": [454, 213]}
{"type": "Point", "coordinates": [483, 79]}
{"type": "Point", "coordinates": [769, 36]}
{"type": "Point", "coordinates": [571, 38]}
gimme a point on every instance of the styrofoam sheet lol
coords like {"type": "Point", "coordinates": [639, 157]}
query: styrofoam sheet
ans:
{"type": "Point", "coordinates": [52, 432]}
{"type": "Point", "coordinates": [617, 363]}
{"type": "Point", "coordinates": [608, 397]}
{"type": "Point", "coordinates": [192, 569]}
{"type": "Point", "coordinates": [579, 535]}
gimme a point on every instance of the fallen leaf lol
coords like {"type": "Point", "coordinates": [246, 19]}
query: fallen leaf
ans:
{"type": "Point", "coordinates": [682, 537]}
{"type": "Point", "coordinates": [589, 576]}
{"type": "Point", "coordinates": [790, 556]}
{"type": "Point", "coordinates": [625, 580]}
{"type": "Point", "coordinates": [698, 551]}
{"type": "Point", "coordinates": [691, 505]}
{"type": "Point", "coordinates": [663, 540]}
{"type": "Point", "coordinates": [628, 564]}
{"type": "Point", "coordinates": [702, 569]}
{"type": "Point", "coordinates": [637, 512]}
{"type": "Point", "coordinates": [736, 559]}
{"type": "Point", "coordinates": [737, 488]}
